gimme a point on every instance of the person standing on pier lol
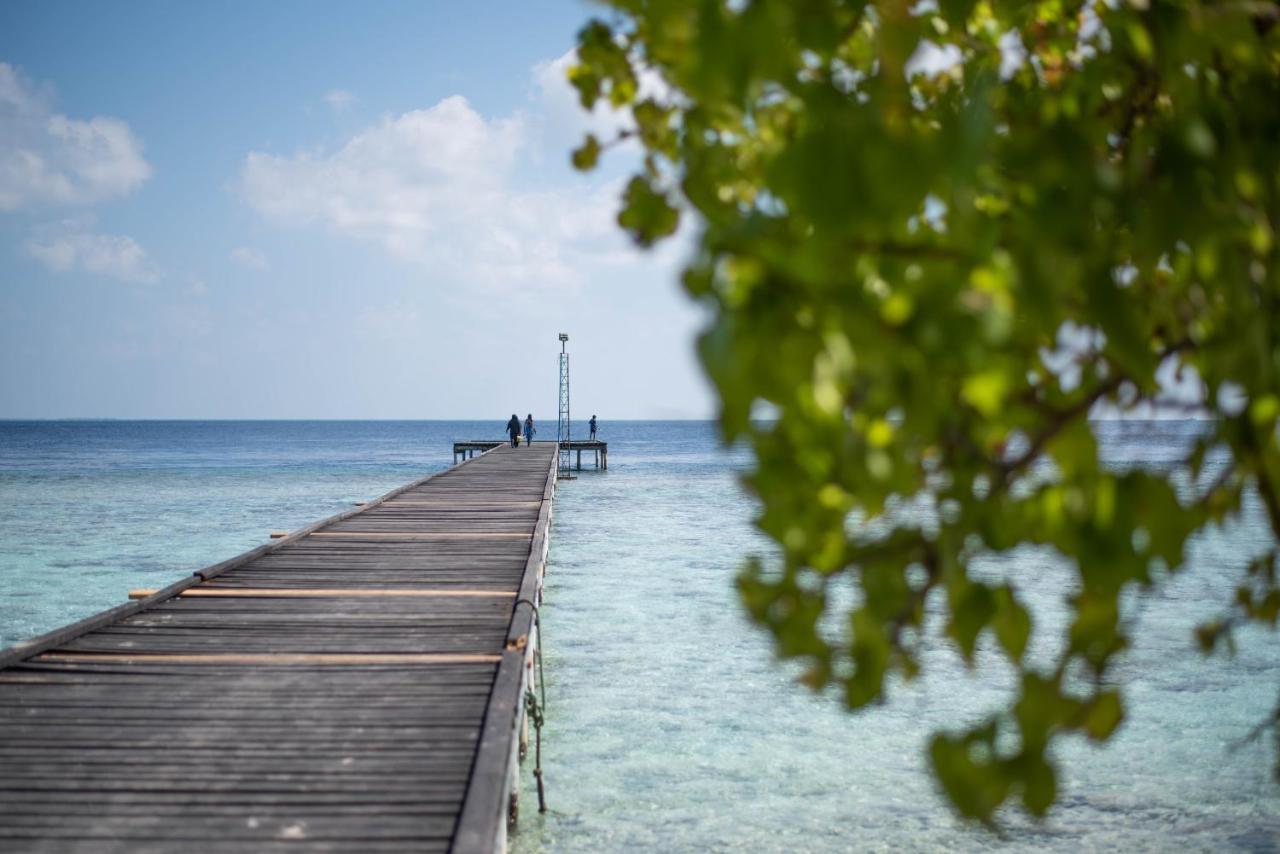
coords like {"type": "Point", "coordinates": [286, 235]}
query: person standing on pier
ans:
{"type": "Point", "coordinates": [529, 430]}
{"type": "Point", "coordinates": [592, 425]}
{"type": "Point", "coordinates": [513, 429]}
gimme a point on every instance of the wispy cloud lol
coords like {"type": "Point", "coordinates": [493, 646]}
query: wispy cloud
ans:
{"type": "Point", "coordinates": [250, 258]}
{"type": "Point", "coordinates": [340, 100]}
{"type": "Point", "coordinates": [73, 246]}
{"type": "Point", "coordinates": [48, 159]}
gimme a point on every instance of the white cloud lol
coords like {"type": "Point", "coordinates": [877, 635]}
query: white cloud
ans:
{"type": "Point", "coordinates": [72, 246]}
{"type": "Point", "coordinates": [48, 159]}
{"type": "Point", "coordinates": [339, 99]}
{"type": "Point", "coordinates": [250, 258]}
{"type": "Point", "coordinates": [442, 187]}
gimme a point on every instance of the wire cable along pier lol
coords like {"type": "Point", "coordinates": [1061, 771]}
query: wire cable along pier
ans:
{"type": "Point", "coordinates": [361, 684]}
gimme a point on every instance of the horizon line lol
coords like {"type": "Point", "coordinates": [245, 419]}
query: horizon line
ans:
{"type": "Point", "coordinates": [10, 419]}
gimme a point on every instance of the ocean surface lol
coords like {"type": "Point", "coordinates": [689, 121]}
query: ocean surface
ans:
{"type": "Point", "coordinates": [670, 727]}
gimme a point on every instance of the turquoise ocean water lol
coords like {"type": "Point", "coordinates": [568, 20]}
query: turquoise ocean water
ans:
{"type": "Point", "coordinates": [669, 726]}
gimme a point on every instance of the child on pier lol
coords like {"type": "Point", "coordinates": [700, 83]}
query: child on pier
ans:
{"type": "Point", "coordinates": [529, 430]}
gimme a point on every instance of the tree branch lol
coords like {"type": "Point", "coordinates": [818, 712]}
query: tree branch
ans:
{"type": "Point", "coordinates": [1063, 417]}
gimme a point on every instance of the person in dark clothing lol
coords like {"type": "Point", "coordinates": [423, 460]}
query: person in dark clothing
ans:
{"type": "Point", "coordinates": [592, 424]}
{"type": "Point", "coordinates": [513, 429]}
{"type": "Point", "coordinates": [529, 430]}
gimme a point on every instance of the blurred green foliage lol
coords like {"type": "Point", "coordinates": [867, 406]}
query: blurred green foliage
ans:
{"type": "Point", "coordinates": [932, 275]}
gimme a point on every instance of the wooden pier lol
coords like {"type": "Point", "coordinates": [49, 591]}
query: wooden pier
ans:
{"type": "Point", "coordinates": [466, 450]}
{"type": "Point", "coordinates": [358, 685]}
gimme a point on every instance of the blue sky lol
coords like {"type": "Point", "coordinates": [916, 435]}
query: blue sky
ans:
{"type": "Point", "coordinates": [304, 210]}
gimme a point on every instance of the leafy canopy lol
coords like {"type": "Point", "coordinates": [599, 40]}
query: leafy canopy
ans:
{"type": "Point", "coordinates": [933, 278]}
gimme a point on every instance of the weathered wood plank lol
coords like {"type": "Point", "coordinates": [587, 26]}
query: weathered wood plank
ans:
{"type": "Point", "coordinates": [272, 658]}
{"type": "Point", "coordinates": [347, 686]}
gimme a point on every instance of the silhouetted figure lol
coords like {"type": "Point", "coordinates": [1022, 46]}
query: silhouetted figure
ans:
{"type": "Point", "coordinates": [592, 424]}
{"type": "Point", "coordinates": [529, 430]}
{"type": "Point", "coordinates": [513, 429]}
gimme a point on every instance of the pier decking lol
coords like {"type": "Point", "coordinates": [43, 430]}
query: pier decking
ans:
{"type": "Point", "coordinates": [468, 449]}
{"type": "Point", "coordinates": [357, 685]}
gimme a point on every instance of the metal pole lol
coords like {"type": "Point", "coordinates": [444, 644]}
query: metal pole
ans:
{"type": "Point", "coordinates": [564, 426]}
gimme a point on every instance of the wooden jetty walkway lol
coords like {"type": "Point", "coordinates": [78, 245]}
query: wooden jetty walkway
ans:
{"type": "Point", "coordinates": [357, 685]}
{"type": "Point", "coordinates": [466, 450]}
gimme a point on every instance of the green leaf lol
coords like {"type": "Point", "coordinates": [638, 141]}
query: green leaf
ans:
{"type": "Point", "coordinates": [974, 786]}
{"type": "Point", "coordinates": [1105, 713]}
{"type": "Point", "coordinates": [646, 213]}
{"type": "Point", "coordinates": [985, 391]}
{"type": "Point", "coordinates": [1039, 786]}
{"type": "Point", "coordinates": [586, 155]}
{"type": "Point", "coordinates": [1012, 623]}
{"type": "Point", "coordinates": [972, 608]}
{"type": "Point", "coordinates": [870, 653]}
